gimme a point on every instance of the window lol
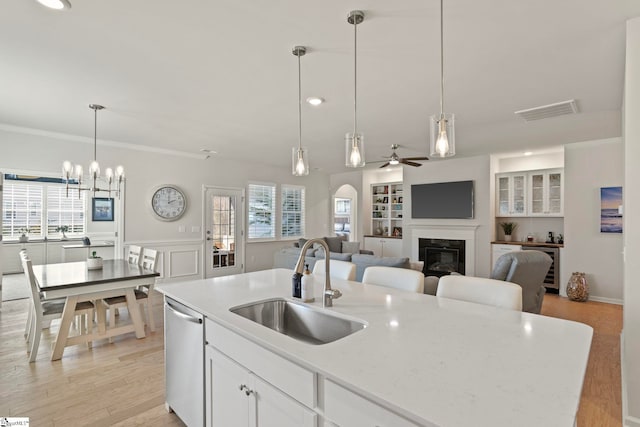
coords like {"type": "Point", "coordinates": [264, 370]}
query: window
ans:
{"type": "Point", "coordinates": [38, 207]}
{"type": "Point", "coordinates": [292, 211]}
{"type": "Point", "coordinates": [343, 206]}
{"type": "Point", "coordinates": [262, 209]}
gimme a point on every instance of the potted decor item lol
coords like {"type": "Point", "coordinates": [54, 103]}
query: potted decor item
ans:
{"type": "Point", "coordinates": [63, 229]}
{"type": "Point", "coordinates": [508, 228]}
{"type": "Point", "coordinates": [94, 262]}
{"type": "Point", "coordinates": [577, 288]}
{"type": "Point", "coordinates": [23, 237]}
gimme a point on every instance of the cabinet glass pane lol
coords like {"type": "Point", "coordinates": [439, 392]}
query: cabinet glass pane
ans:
{"type": "Point", "coordinates": [503, 184]}
{"type": "Point", "coordinates": [554, 206]}
{"type": "Point", "coordinates": [536, 206]}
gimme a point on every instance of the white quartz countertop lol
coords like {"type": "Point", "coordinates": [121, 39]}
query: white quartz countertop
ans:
{"type": "Point", "coordinates": [436, 361]}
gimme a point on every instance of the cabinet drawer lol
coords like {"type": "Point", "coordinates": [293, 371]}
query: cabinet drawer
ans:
{"type": "Point", "coordinates": [289, 377]}
{"type": "Point", "coordinates": [348, 409]}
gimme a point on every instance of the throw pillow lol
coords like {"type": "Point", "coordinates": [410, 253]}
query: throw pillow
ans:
{"type": "Point", "coordinates": [350, 247]}
{"type": "Point", "coordinates": [334, 243]}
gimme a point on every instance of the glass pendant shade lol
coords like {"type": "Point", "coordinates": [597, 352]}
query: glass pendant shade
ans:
{"type": "Point", "coordinates": [354, 149]}
{"type": "Point", "coordinates": [442, 141]}
{"type": "Point", "coordinates": [299, 161]}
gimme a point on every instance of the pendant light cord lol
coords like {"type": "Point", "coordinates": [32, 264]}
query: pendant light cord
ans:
{"type": "Point", "coordinates": [299, 106]}
{"type": "Point", "coordinates": [355, 77]}
{"type": "Point", "coordinates": [441, 60]}
{"type": "Point", "coordinates": [95, 134]}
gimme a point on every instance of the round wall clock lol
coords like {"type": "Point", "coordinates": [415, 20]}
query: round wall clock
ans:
{"type": "Point", "coordinates": [168, 202]}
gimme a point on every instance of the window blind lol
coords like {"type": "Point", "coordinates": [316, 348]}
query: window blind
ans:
{"type": "Point", "coordinates": [293, 223]}
{"type": "Point", "coordinates": [63, 210]}
{"type": "Point", "coordinates": [21, 209]}
{"type": "Point", "coordinates": [261, 211]}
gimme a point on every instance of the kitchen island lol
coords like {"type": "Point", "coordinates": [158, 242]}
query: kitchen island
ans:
{"type": "Point", "coordinates": [421, 360]}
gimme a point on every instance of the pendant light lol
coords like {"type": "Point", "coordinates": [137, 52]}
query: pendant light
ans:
{"type": "Point", "coordinates": [300, 156]}
{"type": "Point", "coordinates": [442, 131]}
{"type": "Point", "coordinates": [355, 141]}
{"type": "Point", "coordinates": [72, 172]}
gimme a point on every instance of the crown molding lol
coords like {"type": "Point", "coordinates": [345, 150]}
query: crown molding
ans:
{"type": "Point", "coordinates": [103, 142]}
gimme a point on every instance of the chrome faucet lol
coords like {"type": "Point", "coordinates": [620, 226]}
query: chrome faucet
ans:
{"type": "Point", "coordinates": [328, 294]}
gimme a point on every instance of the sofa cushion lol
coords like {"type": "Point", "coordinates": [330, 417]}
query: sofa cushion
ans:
{"type": "Point", "coordinates": [296, 251]}
{"type": "Point", "coordinates": [334, 243]}
{"type": "Point", "coordinates": [350, 247]}
{"type": "Point", "coordinates": [334, 255]}
{"type": "Point", "coordinates": [364, 261]}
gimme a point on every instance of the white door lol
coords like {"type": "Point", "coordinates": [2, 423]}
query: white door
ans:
{"type": "Point", "coordinates": [224, 219]}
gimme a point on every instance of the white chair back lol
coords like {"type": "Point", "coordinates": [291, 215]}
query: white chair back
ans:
{"type": "Point", "coordinates": [482, 291]}
{"type": "Point", "coordinates": [394, 277]}
{"type": "Point", "coordinates": [134, 254]}
{"type": "Point", "coordinates": [27, 267]}
{"type": "Point", "coordinates": [337, 269]}
{"type": "Point", "coordinates": [149, 257]}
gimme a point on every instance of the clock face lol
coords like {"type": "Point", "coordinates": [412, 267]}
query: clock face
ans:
{"type": "Point", "coordinates": [169, 203]}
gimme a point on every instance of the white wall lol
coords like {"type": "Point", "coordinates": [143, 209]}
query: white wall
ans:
{"type": "Point", "coordinates": [455, 169]}
{"type": "Point", "coordinates": [588, 167]}
{"type": "Point", "coordinates": [145, 170]}
{"type": "Point", "coordinates": [631, 191]}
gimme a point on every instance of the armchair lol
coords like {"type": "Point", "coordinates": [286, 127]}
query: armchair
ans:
{"type": "Point", "coordinates": [527, 269]}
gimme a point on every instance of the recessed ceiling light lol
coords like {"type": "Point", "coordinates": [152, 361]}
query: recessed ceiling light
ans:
{"type": "Point", "coordinates": [56, 4]}
{"type": "Point", "coordinates": [528, 153]}
{"type": "Point", "coordinates": [315, 101]}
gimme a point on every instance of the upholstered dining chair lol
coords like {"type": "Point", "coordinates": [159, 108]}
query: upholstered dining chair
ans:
{"type": "Point", "coordinates": [394, 277]}
{"type": "Point", "coordinates": [337, 269]}
{"type": "Point", "coordinates": [43, 311]}
{"type": "Point", "coordinates": [480, 290]}
{"type": "Point", "coordinates": [142, 293]}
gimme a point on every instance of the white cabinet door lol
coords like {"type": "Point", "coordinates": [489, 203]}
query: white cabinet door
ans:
{"type": "Point", "coordinates": [383, 247]}
{"type": "Point", "coordinates": [546, 193]}
{"type": "Point", "coordinates": [273, 408]}
{"type": "Point", "coordinates": [511, 194]}
{"type": "Point", "coordinates": [497, 250]}
{"type": "Point", "coordinates": [226, 388]}
{"type": "Point", "coordinates": [235, 397]}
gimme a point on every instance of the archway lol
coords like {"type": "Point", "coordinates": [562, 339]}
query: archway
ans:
{"type": "Point", "coordinates": [345, 216]}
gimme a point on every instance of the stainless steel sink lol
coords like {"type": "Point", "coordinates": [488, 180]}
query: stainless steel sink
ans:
{"type": "Point", "coordinates": [299, 321]}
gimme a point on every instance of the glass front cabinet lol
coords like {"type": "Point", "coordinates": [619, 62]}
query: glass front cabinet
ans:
{"type": "Point", "coordinates": [511, 194]}
{"type": "Point", "coordinates": [546, 193]}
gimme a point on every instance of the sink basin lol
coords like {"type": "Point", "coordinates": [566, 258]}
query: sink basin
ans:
{"type": "Point", "coordinates": [299, 321]}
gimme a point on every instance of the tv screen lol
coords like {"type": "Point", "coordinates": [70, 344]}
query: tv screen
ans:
{"type": "Point", "coordinates": [442, 200]}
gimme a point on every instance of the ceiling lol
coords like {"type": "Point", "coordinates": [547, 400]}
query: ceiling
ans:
{"type": "Point", "coordinates": [220, 75]}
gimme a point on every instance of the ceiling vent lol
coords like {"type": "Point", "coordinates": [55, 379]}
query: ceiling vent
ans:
{"type": "Point", "coordinates": [547, 111]}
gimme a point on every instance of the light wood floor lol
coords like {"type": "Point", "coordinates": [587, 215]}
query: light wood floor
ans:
{"type": "Point", "coordinates": [122, 384]}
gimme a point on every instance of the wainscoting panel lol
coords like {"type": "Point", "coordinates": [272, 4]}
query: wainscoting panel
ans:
{"type": "Point", "coordinates": [183, 263]}
{"type": "Point", "coordinates": [178, 259]}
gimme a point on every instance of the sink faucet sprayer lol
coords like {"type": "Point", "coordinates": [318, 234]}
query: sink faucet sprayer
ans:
{"type": "Point", "coordinates": [329, 294]}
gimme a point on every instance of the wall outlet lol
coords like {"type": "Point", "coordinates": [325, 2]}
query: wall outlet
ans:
{"type": "Point", "coordinates": [182, 229]}
{"type": "Point", "coordinates": [195, 228]}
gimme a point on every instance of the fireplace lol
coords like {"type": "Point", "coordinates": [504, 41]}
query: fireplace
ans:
{"type": "Point", "coordinates": [442, 256]}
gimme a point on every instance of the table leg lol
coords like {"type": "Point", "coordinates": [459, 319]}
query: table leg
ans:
{"type": "Point", "coordinates": [134, 312]}
{"type": "Point", "coordinates": [101, 312]}
{"type": "Point", "coordinates": [65, 324]}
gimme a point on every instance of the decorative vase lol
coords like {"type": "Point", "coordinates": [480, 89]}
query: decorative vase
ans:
{"type": "Point", "coordinates": [507, 237]}
{"type": "Point", "coordinates": [577, 288]}
{"type": "Point", "coordinates": [94, 263]}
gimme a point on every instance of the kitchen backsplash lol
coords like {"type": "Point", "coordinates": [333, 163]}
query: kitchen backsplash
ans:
{"type": "Point", "coordinates": [538, 227]}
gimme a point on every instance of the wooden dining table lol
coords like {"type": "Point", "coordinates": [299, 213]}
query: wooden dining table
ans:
{"type": "Point", "coordinates": [75, 282]}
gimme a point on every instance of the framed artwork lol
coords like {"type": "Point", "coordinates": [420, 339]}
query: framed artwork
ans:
{"type": "Point", "coordinates": [611, 210]}
{"type": "Point", "coordinates": [101, 209]}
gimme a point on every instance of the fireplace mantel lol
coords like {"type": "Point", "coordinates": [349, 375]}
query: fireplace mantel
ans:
{"type": "Point", "coordinates": [466, 232]}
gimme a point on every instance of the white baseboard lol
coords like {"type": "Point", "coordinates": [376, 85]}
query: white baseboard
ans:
{"type": "Point", "coordinates": [607, 300]}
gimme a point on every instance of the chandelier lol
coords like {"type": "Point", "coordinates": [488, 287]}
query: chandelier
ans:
{"type": "Point", "coordinates": [73, 174]}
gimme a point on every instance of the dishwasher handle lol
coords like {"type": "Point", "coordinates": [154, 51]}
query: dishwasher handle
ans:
{"type": "Point", "coordinates": [183, 315]}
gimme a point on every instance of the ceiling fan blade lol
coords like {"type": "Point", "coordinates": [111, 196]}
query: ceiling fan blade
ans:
{"type": "Point", "coordinates": [385, 165]}
{"type": "Point", "coordinates": [407, 162]}
{"type": "Point", "coordinates": [416, 158]}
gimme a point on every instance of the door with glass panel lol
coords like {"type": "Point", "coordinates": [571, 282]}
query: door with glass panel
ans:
{"type": "Point", "coordinates": [223, 231]}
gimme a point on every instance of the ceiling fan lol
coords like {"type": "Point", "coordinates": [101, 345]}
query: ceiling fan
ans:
{"type": "Point", "coordinates": [394, 159]}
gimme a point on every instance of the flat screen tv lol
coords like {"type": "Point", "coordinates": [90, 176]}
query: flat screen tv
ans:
{"type": "Point", "coordinates": [442, 200]}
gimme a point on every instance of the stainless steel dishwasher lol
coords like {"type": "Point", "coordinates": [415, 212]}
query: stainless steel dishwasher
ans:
{"type": "Point", "coordinates": [184, 362]}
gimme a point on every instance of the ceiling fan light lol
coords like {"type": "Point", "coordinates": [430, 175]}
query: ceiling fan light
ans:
{"type": "Point", "coordinates": [55, 4]}
{"type": "Point", "coordinates": [394, 161]}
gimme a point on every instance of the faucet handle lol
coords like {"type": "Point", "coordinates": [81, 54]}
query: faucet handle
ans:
{"type": "Point", "coordinates": [333, 293]}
